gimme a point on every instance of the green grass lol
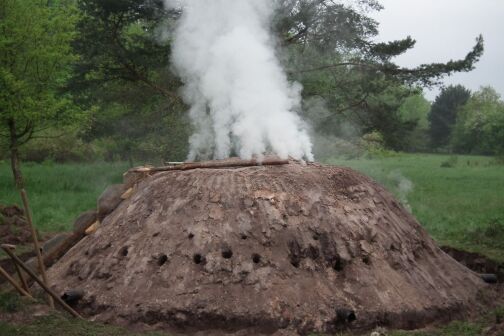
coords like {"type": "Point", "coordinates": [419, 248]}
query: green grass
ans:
{"type": "Point", "coordinates": [56, 324]}
{"type": "Point", "coordinates": [58, 193]}
{"type": "Point", "coordinates": [461, 206]}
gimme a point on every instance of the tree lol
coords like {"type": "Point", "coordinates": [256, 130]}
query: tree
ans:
{"type": "Point", "coordinates": [121, 41]}
{"type": "Point", "coordinates": [443, 114]}
{"type": "Point", "coordinates": [480, 124]}
{"type": "Point", "coordinates": [416, 109]}
{"type": "Point", "coordinates": [35, 64]}
{"type": "Point", "coordinates": [331, 51]}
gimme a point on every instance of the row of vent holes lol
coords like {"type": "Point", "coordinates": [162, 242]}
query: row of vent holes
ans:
{"type": "Point", "coordinates": [197, 258]}
{"type": "Point", "coordinates": [226, 254]}
{"type": "Point", "coordinates": [256, 258]}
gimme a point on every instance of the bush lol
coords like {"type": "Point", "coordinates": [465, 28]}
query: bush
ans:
{"type": "Point", "coordinates": [373, 145]}
{"type": "Point", "coordinates": [451, 162]}
{"type": "Point", "coordinates": [66, 148]}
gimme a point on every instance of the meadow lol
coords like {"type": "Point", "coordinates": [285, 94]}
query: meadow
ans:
{"type": "Point", "coordinates": [459, 200]}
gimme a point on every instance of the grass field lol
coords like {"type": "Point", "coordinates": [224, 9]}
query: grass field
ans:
{"type": "Point", "coordinates": [60, 192]}
{"type": "Point", "coordinates": [461, 205]}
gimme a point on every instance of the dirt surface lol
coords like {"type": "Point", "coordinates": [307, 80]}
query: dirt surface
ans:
{"type": "Point", "coordinates": [281, 250]}
{"type": "Point", "coordinates": [14, 228]}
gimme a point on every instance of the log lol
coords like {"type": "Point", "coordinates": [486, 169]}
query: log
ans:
{"type": "Point", "coordinates": [215, 165]}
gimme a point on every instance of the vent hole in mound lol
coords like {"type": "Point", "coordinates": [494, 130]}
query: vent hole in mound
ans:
{"type": "Point", "coordinates": [295, 262]}
{"type": "Point", "coordinates": [256, 258]}
{"type": "Point", "coordinates": [198, 259]}
{"type": "Point", "coordinates": [366, 260]}
{"type": "Point", "coordinates": [124, 251]}
{"type": "Point", "coordinates": [227, 253]}
{"type": "Point", "coordinates": [338, 265]}
{"type": "Point", "coordinates": [244, 237]}
{"type": "Point", "coordinates": [345, 316]}
{"type": "Point", "coordinates": [163, 258]}
{"type": "Point", "coordinates": [190, 236]}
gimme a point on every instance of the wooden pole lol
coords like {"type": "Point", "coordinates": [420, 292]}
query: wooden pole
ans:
{"type": "Point", "coordinates": [18, 271]}
{"type": "Point", "coordinates": [41, 283]}
{"type": "Point", "coordinates": [36, 245]}
{"type": "Point", "coordinates": [215, 165]}
{"type": "Point", "coordinates": [22, 278]}
{"type": "Point", "coordinates": [14, 283]}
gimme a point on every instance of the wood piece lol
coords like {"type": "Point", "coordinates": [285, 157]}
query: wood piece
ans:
{"type": "Point", "coordinates": [92, 229]}
{"type": "Point", "coordinates": [36, 244]}
{"type": "Point", "coordinates": [41, 283]}
{"type": "Point", "coordinates": [214, 165]}
{"type": "Point", "coordinates": [13, 282]}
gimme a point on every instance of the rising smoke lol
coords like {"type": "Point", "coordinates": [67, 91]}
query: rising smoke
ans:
{"type": "Point", "coordinates": [241, 100]}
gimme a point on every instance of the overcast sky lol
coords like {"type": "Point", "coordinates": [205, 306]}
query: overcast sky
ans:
{"type": "Point", "coordinates": [446, 29]}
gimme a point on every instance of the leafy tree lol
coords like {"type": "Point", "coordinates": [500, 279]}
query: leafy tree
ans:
{"type": "Point", "coordinates": [121, 41]}
{"type": "Point", "coordinates": [443, 114]}
{"type": "Point", "coordinates": [124, 72]}
{"type": "Point", "coordinates": [35, 63]}
{"type": "Point", "coordinates": [480, 124]}
{"type": "Point", "coordinates": [416, 109]}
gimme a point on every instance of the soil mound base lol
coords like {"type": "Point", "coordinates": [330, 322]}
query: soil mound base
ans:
{"type": "Point", "coordinates": [305, 248]}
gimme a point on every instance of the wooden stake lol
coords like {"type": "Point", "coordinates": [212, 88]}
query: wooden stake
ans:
{"type": "Point", "coordinates": [41, 283]}
{"type": "Point", "coordinates": [14, 283]}
{"type": "Point", "coordinates": [36, 245]}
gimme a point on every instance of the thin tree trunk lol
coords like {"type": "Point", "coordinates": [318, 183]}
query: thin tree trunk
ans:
{"type": "Point", "coordinates": [14, 156]}
{"type": "Point", "coordinates": [19, 181]}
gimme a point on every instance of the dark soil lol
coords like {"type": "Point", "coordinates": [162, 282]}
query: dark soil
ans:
{"type": "Point", "coordinates": [14, 228]}
{"type": "Point", "coordinates": [477, 262]}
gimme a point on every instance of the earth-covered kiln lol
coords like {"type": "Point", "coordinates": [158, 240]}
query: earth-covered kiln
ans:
{"type": "Point", "coordinates": [288, 249]}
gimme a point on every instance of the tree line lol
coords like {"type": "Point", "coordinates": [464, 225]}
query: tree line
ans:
{"type": "Point", "coordinates": [84, 80]}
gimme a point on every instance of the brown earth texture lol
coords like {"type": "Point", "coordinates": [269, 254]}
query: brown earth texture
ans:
{"type": "Point", "coordinates": [268, 250]}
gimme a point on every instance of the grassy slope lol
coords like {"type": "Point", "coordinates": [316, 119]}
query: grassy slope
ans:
{"type": "Point", "coordinates": [58, 193]}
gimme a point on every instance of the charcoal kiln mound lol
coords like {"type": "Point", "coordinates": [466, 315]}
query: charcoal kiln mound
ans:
{"type": "Point", "coordinates": [289, 249]}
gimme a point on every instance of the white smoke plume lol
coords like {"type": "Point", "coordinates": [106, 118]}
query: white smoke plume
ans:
{"type": "Point", "coordinates": [241, 100]}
